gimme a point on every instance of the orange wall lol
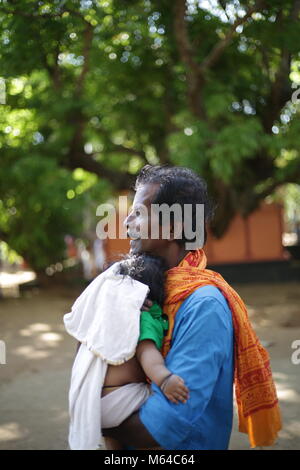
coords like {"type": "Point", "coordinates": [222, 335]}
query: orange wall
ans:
{"type": "Point", "coordinates": [256, 238]}
{"type": "Point", "coordinates": [117, 247]}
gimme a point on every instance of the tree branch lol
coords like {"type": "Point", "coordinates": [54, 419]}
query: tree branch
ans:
{"type": "Point", "coordinates": [265, 62]}
{"type": "Point", "coordinates": [119, 148]}
{"type": "Point", "coordinates": [87, 43]}
{"type": "Point", "coordinates": [186, 53]}
{"type": "Point", "coordinates": [76, 158]}
{"type": "Point", "coordinates": [223, 6]}
{"type": "Point", "coordinates": [119, 180]}
{"type": "Point", "coordinates": [219, 48]}
{"type": "Point", "coordinates": [53, 70]}
{"type": "Point", "coordinates": [195, 73]}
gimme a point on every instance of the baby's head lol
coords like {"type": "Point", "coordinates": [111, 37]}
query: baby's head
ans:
{"type": "Point", "coordinates": [147, 269]}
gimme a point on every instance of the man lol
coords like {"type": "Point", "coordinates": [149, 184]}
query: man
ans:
{"type": "Point", "coordinates": [204, 314]}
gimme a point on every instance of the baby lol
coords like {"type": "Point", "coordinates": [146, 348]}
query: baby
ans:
{"type": "Point", "coordinates": [148, 360]}
{"type": "Point", "coordinates": [107, 331]}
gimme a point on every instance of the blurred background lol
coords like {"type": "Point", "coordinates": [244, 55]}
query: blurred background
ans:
{"type": "Point", "coordinates": [90, 92]}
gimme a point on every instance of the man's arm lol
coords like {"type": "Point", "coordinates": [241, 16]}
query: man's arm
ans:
{"type": "Point", "coordinates": [132, 433]}
{"type": "Point", "coordinates": [198, 351]}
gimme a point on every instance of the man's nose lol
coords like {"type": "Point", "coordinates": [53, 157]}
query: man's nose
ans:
{"type": "Point", "coordinates": [127, 221]}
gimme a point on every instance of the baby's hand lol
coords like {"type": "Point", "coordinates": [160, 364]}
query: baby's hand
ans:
{"type": "Point", "coordinates": [174, 389]}
{"type": "Point", "coordinates": [146, 305]}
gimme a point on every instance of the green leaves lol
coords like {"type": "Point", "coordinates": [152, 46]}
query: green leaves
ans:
{"type": "Point", "coordinates": [234, 144]}
{"type": "Point", "coordinates": [189, 146]}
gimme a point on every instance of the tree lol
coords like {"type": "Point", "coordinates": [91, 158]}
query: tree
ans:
{"type": "Point", "coordinates": [108, 86]}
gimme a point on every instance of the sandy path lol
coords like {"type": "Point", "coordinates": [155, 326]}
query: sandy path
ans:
{"type": "Point", "coordinates": [35, 380]}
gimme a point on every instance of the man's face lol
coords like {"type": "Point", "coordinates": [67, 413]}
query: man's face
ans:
{"type": "Point", "coordinates": [139, 221]}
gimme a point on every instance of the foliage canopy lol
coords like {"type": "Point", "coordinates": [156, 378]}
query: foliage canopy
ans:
{"type": "Point", "coordinates": [97, 89]}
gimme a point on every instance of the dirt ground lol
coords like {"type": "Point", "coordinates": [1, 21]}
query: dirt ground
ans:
{"type": "Point", "coordinates": [39, 355]}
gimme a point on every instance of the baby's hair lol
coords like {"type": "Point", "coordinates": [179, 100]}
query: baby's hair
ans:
{"type": "Point", "coordinates": [147, 269]}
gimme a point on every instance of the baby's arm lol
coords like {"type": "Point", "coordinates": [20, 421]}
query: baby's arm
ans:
{"type": "Point", "coordinates": [153, 364]}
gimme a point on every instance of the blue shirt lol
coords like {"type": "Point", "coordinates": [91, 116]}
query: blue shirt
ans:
{"type": "Point", "coordinates": [202, 353]}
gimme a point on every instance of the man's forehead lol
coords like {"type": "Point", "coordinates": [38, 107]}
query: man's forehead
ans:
{"type": "Point", "coordinates": [145, 194]}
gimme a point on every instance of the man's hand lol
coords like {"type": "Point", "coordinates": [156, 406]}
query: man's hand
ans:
{"type": "Point", "coordinates": [132, 433]}
{"type": "Point", "coordinates": [175, 389]}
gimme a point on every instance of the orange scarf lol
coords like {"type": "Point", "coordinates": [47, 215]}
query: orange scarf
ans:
{"type": "Point", "coordinates": [258, 409]}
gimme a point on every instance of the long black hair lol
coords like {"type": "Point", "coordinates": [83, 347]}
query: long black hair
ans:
{"type": "Point", "coordinates": [147, 269]}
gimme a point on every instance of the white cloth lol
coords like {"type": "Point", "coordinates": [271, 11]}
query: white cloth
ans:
{"type": "Point", "coordinates": [119, 404]}
{"type": "Point", "coordinates": [106, 320]}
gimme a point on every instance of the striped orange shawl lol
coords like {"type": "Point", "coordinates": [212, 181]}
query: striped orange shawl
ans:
{"type": "Point", "coordinates": [258, 409]}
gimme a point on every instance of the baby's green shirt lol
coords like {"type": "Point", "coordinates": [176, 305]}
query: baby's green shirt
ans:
{"type": "Point", "coordinates": [153, 325]}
